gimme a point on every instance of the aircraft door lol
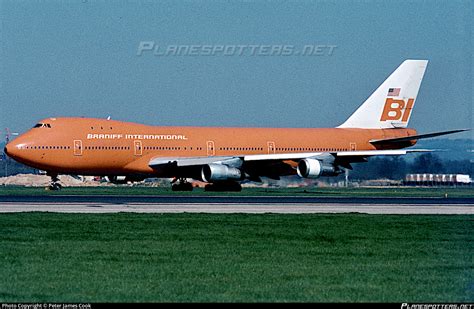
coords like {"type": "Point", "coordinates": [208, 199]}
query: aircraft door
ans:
{"type": "Point", "coordinates": [353, 146]}
{"type": "Point", "coordinates": [211, 151]}
{"type": "Point", "coordinates": [271, 147]}
{"type": "Point", "coordinates": [78, 147]}
{"type": "Point", "coordinates": [137, 148]}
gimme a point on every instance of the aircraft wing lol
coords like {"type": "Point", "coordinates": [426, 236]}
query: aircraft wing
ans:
{"type": "Point", "coordinates": [338, 158]}
{"type": "Point", "coordinates": [304, 155]}
{"type": "Point", "coordinates": [197, 161]}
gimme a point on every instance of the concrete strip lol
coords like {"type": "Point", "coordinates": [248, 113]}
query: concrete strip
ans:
{"type": "Point", "coordinates": [9, 207]}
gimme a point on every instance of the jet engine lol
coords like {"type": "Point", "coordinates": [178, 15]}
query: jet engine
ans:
{"type": "Point", "coordinates": [220, 172]}
{"type": "Point", "coordinates": [312, 168]}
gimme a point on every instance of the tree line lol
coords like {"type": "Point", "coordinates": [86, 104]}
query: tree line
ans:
{"type": "Point", "coordinates": [397, 167]}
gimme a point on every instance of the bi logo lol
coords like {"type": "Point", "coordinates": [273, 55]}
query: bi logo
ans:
{"type": "Point", "coordinates": [397, 109]}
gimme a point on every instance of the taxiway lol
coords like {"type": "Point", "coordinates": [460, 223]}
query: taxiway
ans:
{"type": "Point", "coordinates": [227, 204]}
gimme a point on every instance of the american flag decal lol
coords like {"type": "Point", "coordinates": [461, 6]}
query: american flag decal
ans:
{"type": "Point", "coordinates": [393, 92]}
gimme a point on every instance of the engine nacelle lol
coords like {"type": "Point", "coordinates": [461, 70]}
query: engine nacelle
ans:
{"type": "Point", "coordinates": [312, 168]}
{"type": "Point", "coordinates": [220, 172]}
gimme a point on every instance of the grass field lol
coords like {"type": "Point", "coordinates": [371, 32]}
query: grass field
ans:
{"type": "Point", "coordinates": [203, 257]}
{"type": "Point", "coordinates": [351, 192]}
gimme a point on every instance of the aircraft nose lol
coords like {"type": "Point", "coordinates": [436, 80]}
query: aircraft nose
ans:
{"type": "Point", "coordinates": [10, 150]}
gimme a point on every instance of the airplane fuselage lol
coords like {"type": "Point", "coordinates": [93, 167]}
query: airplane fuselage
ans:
{"type": "Point", "coordinates": [89, 146]}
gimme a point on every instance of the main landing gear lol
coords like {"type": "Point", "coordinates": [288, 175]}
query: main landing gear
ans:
{"type": "Point", "coordinates": [224, 186]}
{"type": "Point", "coordinates": [55, 184]}
{"type": "Point", "coordinates": [181, 185]}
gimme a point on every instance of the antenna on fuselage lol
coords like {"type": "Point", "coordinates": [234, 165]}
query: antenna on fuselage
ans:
{"type": "Point", "coordinates": [108, 118]}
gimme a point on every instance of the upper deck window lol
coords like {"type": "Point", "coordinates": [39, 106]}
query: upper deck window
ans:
{"type": "Point", "coordinates": [42, 125]}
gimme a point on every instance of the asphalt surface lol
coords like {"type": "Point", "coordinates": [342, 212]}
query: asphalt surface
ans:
{"type": "Point", "coordinates": [166, 199]}
{"type": "Point", "coordinates": [235, 204]}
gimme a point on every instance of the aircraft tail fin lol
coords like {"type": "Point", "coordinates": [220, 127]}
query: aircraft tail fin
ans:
{"type": "Point", "coordinates": [390, 106]}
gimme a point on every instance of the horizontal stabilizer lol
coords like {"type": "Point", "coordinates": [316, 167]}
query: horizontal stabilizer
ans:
{"type": "Point", "coordinates": [414, 137]}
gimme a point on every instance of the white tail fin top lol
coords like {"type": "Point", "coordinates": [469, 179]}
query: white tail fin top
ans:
{"type": "Point", "coordinates": [391, 104]}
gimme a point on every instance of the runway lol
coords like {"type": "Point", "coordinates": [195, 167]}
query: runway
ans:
{"type": "Point", "coordinates": [230, 204]}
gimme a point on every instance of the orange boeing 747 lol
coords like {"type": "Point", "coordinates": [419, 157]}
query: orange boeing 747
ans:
{"type": "Point", "coordinates": [225, 156]}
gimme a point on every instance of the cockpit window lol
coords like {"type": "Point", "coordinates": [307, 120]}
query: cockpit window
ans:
{"type": "Point", "coordinates": [42, 125]}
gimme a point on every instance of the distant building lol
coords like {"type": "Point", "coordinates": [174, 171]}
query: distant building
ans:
{"type": "Point", "coordinates": [437, 180]}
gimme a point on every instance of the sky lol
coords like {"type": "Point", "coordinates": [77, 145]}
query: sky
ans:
{"type": "Point", "coordinates": [282, 64]}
